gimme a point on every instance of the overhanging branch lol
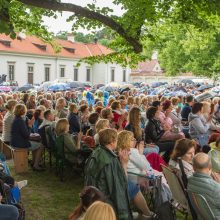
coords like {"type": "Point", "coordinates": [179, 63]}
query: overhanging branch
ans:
{"type": "Point", "coordinates": [80, 11]}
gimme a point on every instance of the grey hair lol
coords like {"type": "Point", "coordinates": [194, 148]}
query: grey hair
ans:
{"type": "Point", "coordinates": [201, 165]}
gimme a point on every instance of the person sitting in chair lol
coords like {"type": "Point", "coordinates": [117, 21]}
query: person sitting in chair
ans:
{"type": "Point", "coordinates": [71, 145]}
{"type": "Point", "coordinates": [202, 183]}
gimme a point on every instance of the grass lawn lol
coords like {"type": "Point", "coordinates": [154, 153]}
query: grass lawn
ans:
{"type": "Point", "coordinates": [46, 198]}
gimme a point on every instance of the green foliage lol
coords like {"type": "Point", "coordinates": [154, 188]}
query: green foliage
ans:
{"type": "Point", "coordinates": [187, 48]}
{"type": "Point", "coordinates": [134, 33]}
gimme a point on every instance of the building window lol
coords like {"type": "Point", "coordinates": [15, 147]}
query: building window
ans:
{"type": "Point", "coordinates": [75, 74]}
{"type": "Point", "coordinates": [112, 75]}
{"type": "Point", "coordinates": [124, 75]}
{"type": "Point", "coordinates": [30, 74]}
{"type": "Point", "coordinates": [47, 73]}
{"type": "Point", "coordinates": [88, 75]}
{"type": "Point", "coordinates": [11, 71]}
{"type": "Point", "coordinates": [62, 71]}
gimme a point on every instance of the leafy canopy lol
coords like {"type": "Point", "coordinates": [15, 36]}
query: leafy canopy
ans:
{"type": "Point", "coordinates": [129, 31]}
{"type": "Point", "coordinates": [187, 48]}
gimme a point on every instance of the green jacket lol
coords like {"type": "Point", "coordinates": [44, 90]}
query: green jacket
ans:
{"type": "Point", "coordinates": [104, 171]}
{"type": "Point", "coordinates": [203, 184]}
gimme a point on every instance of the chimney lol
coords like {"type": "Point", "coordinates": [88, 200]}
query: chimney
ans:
{"type": "Point", "coordinates": [21, 36]}
{"type": "Point", "coordinates": [154, 55]}
{"type": "Point", "coordinates": [71, 38]}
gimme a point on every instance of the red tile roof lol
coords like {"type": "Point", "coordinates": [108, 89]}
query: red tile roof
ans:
{"type": "Point", "coordinates": [145, 67]}
{"type": "Point", "coordinates": [28, 46]}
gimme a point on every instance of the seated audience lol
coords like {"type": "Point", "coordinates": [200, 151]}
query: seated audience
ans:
{"type": "Point", "coordinates": [172, 132]}
{"type": "Point", "coordinates": [20, 133]}
{"type": "Point", "coordinates": [70, 144]}
{"type": "Point", "coordinates": [134, 121]}
{"type": "Point", "coordinates": [154, 133]}
{"type": "Point", "coordinates": [139, 164]}
{"type": "Point", "coordinates": [185, 150]}
{"type": "Point", "coordinates": [119, 115]}
{"type": "Point", "coordinates": [187, 108]}
{"type": "Point", "coordinates": [61, 111]}
{"type": "Point", "coordinates": [93, 118]}
{"type": "Point", "coordinates": [214, 154]}
{"type": "Point", "coordinates": [31, 104]}
{"type": "Point", "coordinates": [198, 128]}
{"type": "Point", "coordinates": [48, 119]}
{"type": "Point", "coordinates": [84, 116]}
{"type": "Point", "coordinates": [73, 118]}
{"type": "Point", "coordinates": [104, 171]}
{"type": "Point", "coordinates": [100, 124]}
{"type": "Point", "coordinates": [202, 183]}
{"type": "Point", "coordinates": [215, 121]}
{"type": "Point", "coordinates": [38, 119]}
{"type": "Point", "coordinates": [8, 120]}
{"type": "Point", "coordinates": [106, 113]}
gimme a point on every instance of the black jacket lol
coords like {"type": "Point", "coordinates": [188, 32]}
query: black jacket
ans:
{"type": "Point", "coordinates": [185, 112]}
{"type": "Point", "coordinates": [74, 123]}
{"type": "Point", "coordinates": [20, 133]}
{"type": "Point", "coordinates": [153, 131]}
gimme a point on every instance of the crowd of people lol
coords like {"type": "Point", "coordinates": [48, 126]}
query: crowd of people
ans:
{"type": "Point", "coordinates": [127, 133]}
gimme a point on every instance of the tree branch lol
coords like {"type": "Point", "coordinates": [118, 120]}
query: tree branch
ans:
{"type": "Point", "coordinates": [84, 12]}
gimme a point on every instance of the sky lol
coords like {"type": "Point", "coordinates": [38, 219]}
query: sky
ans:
{"type": "Point", "coordinates": [60, 24]}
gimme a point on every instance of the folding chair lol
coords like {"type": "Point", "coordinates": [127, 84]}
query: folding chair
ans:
{"type": "Point", "coordinates": [150, 188]}
{"type": "Point", "coordinates": [201, 206]}
{"type": "Point", "coordinates": [61, 162]}
{"type": "Point", "coordinates": [179, 197]}
{"type": "Point", "coordinates": [50, 140]}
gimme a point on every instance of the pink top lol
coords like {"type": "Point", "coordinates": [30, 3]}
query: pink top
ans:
{"type": "Point", "coordinates": [165, 121]}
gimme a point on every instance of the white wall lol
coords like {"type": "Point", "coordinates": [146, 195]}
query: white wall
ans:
{"type": "Point", "coordinates": [100, 73]}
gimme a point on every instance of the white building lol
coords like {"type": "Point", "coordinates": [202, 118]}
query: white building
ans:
{"type": "Point", "coordinates": [150, 71]}
{"type": "Point", "coordinates": [28, 59]}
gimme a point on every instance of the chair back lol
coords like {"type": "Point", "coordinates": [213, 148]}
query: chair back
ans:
{"type": "Point", "coordinates": [50, 137]}
{"type": "Point", "coordinates": [59, 145]}
{"type": "Point", "coordinates": [176, 187]}
{"type": "Point", "coordinates": [201, 206]}
{"type": "Point", "coordinates": [42, 133]}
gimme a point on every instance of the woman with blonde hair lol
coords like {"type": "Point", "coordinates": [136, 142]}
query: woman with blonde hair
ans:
{"type": "Point", "coordinates": [137, 101]}
{"type": "Point", "coordinates": [70, 144]}
{"type": "Point", "coordinates": [144, 104]}
{"type": "Point", "coordinates": [130, 102]}
{"type": "Point", "coordinates": [134, 125]}
{"type": "Point", "coordinates": [100, 211]}
{"type": "Point", "coordinates": [100, 124]}
{"type": "Point", "coordinates": [7, 121]}
{"type": "Point", "coordinates": [134, 122]}
{"type": "Point", "coordinates": [61, 112]}
{"type": "Point", "coordinates": [136, 164]}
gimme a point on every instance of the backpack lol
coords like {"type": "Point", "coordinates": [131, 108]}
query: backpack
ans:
{"type": "Point", "coordinates": [166, 211]}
